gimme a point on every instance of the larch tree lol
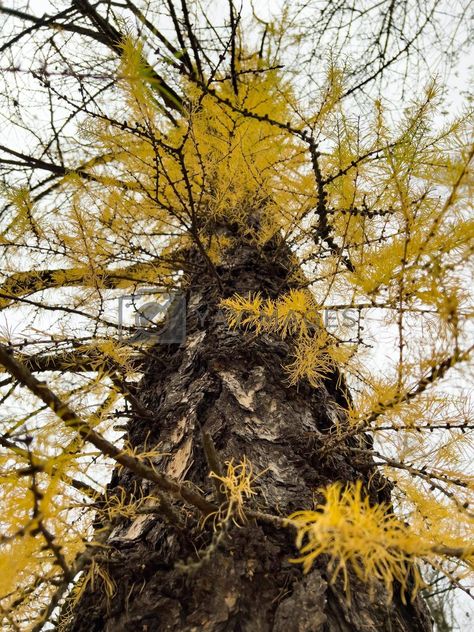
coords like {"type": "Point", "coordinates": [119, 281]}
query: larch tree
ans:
{"type": "Point", "coordinates": [232, 459]}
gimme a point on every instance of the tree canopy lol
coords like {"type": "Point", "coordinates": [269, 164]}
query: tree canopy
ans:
{"type": "Point", "coordinates": [145, 140]}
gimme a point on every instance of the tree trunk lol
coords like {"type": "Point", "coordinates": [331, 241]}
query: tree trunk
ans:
{"type": "Point", "coordinates": [232, 386]}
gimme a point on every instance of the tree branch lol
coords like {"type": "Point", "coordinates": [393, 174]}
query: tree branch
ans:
{"type": "Point", "coordinates": [165, 483]}
{"type": "Point", "coordinates": [31, 281]}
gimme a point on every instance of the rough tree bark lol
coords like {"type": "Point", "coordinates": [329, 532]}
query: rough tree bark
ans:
{"type": "Point", "coordinates": [231, 385]}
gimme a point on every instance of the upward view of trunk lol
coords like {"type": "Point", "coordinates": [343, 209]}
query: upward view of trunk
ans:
{"type": "Point", "coordinates": [231, 386]}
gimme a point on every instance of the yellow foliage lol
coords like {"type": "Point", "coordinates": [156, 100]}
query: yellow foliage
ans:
{"type": "Point", "coordinates": [312, 359]}
{"type": "Point", "coordinates": [95, 578]}
{"type": "Point", "coordinates": [237, 484]}
{"type": "Point", "coordinates": [235, 165]}
{"type": "Point", "coordinates": [293, 315]}
{"type": "Point", "coordinates": [369, 539]}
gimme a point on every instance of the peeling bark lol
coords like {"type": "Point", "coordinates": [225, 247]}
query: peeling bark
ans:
{"type": "Point", "coordinates": [231, 385]}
